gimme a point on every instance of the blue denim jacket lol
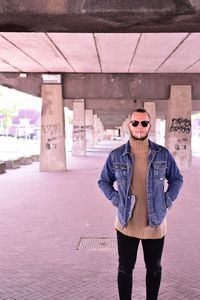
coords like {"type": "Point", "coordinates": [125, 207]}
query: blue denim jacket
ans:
{"type": "Point", "coordinates": [119, 168]}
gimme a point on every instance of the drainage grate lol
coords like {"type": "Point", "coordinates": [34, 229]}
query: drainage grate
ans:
{"type": "Point", "coordinates": [94, 243]}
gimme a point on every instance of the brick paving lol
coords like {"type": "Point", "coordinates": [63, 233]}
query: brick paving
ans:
{"type": "Point", "coordinates": [44, 215]}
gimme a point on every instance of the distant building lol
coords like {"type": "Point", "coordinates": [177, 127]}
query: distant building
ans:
{"type": "Point", "coordinates": [25, 125]}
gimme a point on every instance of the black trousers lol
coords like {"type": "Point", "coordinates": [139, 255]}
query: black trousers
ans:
{"type": "Point", "coordinates": [127, 250]}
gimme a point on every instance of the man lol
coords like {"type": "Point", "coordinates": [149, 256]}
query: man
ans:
{"type": "Point", "coordinates": [139, 169]}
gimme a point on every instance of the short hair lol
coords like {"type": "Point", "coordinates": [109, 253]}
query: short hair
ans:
{"type": "Point", "coordinates": [141, 110]}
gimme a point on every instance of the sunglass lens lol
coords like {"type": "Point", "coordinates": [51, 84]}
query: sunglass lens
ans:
{"type": "Point", "coordinates": [144, 123]}
{"type": "Point", "coordinates": [135, 123]}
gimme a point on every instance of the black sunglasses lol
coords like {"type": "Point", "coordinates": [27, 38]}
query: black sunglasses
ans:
{"type": "Point", "coordinates": [135, 123]}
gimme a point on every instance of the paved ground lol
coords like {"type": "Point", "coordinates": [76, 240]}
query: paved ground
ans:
{"type": "Point", "coordinates": [44, 215]}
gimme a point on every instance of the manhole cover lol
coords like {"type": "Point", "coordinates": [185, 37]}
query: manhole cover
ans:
{"type": "Point", "coordinates": [102, 243]}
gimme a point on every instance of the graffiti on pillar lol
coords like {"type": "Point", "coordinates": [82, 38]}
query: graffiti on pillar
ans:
{"type": "Point", "coordinates": [181, 150]}
{"type": "Point", "coordinates": [180, 125]}
{"type": "Point", "coordinates": [52, 129]}
{"type": "Point", "coordinates": [51, 132]}
{"type": "Point", "coordinates": [78, 128]}
{"type": "Point", "coordinates": [90, 127]}
{"type": "Point", "coordinates": [181, 144]}
{"type": "Point", "coordinates": [78, 133]}
{"type": "Point", "coordinates": [46, 107]}
{"type": "Point", "coordinates": [51, 143]}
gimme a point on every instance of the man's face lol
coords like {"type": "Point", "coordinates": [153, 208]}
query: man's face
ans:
{"type": "Point", "coordinates": [139, 132]}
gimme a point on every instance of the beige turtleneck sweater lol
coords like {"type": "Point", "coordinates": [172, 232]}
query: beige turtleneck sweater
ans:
{"type": "Point", "coordinates": [138, 224]}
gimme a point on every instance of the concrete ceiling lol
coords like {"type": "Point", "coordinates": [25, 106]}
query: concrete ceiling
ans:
{"type": "Point", "coordinates": [100, 16]}
{"type": "Point", "coordinates": [100, 52]}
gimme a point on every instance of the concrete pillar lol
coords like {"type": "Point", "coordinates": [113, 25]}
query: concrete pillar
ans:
{"type": "Point", "coordinates": [178, 125]}
{"type": "Point", "coordinates": [160, 132]}
{"type": "Point", "coordinates": [95, 129]}
{"type": "Point", "coordinates": [120, 130]}
{"type": "Point", "coordinates": [100, 130]}
{"type": "Point", "coordinates": [52, 154]}
{"type": "Point", "coordinates": [151, 109]}
{"type": "Point", "coordinates": [125, 131]}
{"type": "Point", "coordinates": [79, 139]}
{"type": "Point", "coordinates": [103, 132]}
{"type": "Point", "coordinates": [89, 122]}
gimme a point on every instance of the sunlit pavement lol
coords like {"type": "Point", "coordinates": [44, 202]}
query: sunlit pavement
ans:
{"type": "Point", "coordinates": [43, 216]}
{"type": "Point", "coordinates": [11, 147]}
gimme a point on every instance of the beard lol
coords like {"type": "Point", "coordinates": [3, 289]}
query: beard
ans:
{"type": "Point", "coordinates": [142, 138]}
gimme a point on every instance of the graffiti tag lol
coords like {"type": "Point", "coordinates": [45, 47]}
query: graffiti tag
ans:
{"type": "Point", "coordinates": [78, 129]}
{"type": "Point", "coordinates": [51, 129]}
{"type": "Point", "coordinates": [180, 125]}
{"type": "Point", "coordinates": [51, 143]}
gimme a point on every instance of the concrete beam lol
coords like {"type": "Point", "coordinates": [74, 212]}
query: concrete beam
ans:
{"type": "Point", "coordinates": [111, 96]}
{"type": "Point", "coordinates": [30, 84]}
{"type": "Point", "coordinates": [127, 86]}
{"type": "Point", "coordinates": [107, 86]}
{"type": "Point", "coordinates": [100, 16]}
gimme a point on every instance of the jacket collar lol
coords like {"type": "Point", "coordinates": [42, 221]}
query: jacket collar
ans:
{"type": "Point", "coordinates": [152, 146]}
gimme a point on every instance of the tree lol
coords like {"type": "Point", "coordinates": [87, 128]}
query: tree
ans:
{"type": "Point", "coordinates": [8, 109]}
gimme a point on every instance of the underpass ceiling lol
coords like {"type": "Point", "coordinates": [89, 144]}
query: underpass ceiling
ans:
{"type": "Point", "coordinates": [100, 52]}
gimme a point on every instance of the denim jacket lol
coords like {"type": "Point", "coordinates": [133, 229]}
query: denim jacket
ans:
{"type": "Point", "coordinates": [115, 182]}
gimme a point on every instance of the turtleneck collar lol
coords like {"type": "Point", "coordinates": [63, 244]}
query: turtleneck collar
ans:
{"type": "Point", "coordinates": [139, 145]}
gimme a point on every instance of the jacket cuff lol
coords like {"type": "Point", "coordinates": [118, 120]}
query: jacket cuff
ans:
{"type": "Point", "coordinates": [115, 198]}
{"type": "Point", "coordinates": [168, 201]}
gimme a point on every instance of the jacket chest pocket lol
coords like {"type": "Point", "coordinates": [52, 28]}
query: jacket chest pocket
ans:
{"type": "Point", "coordinates": [120, 170]}
{"type": "Point", "coordinates": [159, 170]}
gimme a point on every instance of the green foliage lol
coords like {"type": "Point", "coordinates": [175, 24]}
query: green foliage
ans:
{"type": "Point", "coordinates": [8, 108]}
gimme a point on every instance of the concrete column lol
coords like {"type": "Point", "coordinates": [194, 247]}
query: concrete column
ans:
{"type": "Point", "coordinates": [159, 133]}
{"type": "Point", "coordinates": [151, 109]}
{"type": "Point", "coordinates": [95, 129]}
{"type": "Point", "coordinates": [120, 130]}
{"type": "Point", "coordinates": [52, 154]}
{"type": "Point", "coordinates": [89, 122]}
{"type": "Point", "coordinates": [125, 131]}
{"type": "Point", "coordinates": [79, 139]}
{"type": "Point", "coordinates": [100, 130]}
{"type": "Point", "coordinates": [178, 125]}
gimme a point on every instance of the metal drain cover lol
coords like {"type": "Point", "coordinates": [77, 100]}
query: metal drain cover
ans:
{"type": "Point", "coordinates": [97, 243]}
